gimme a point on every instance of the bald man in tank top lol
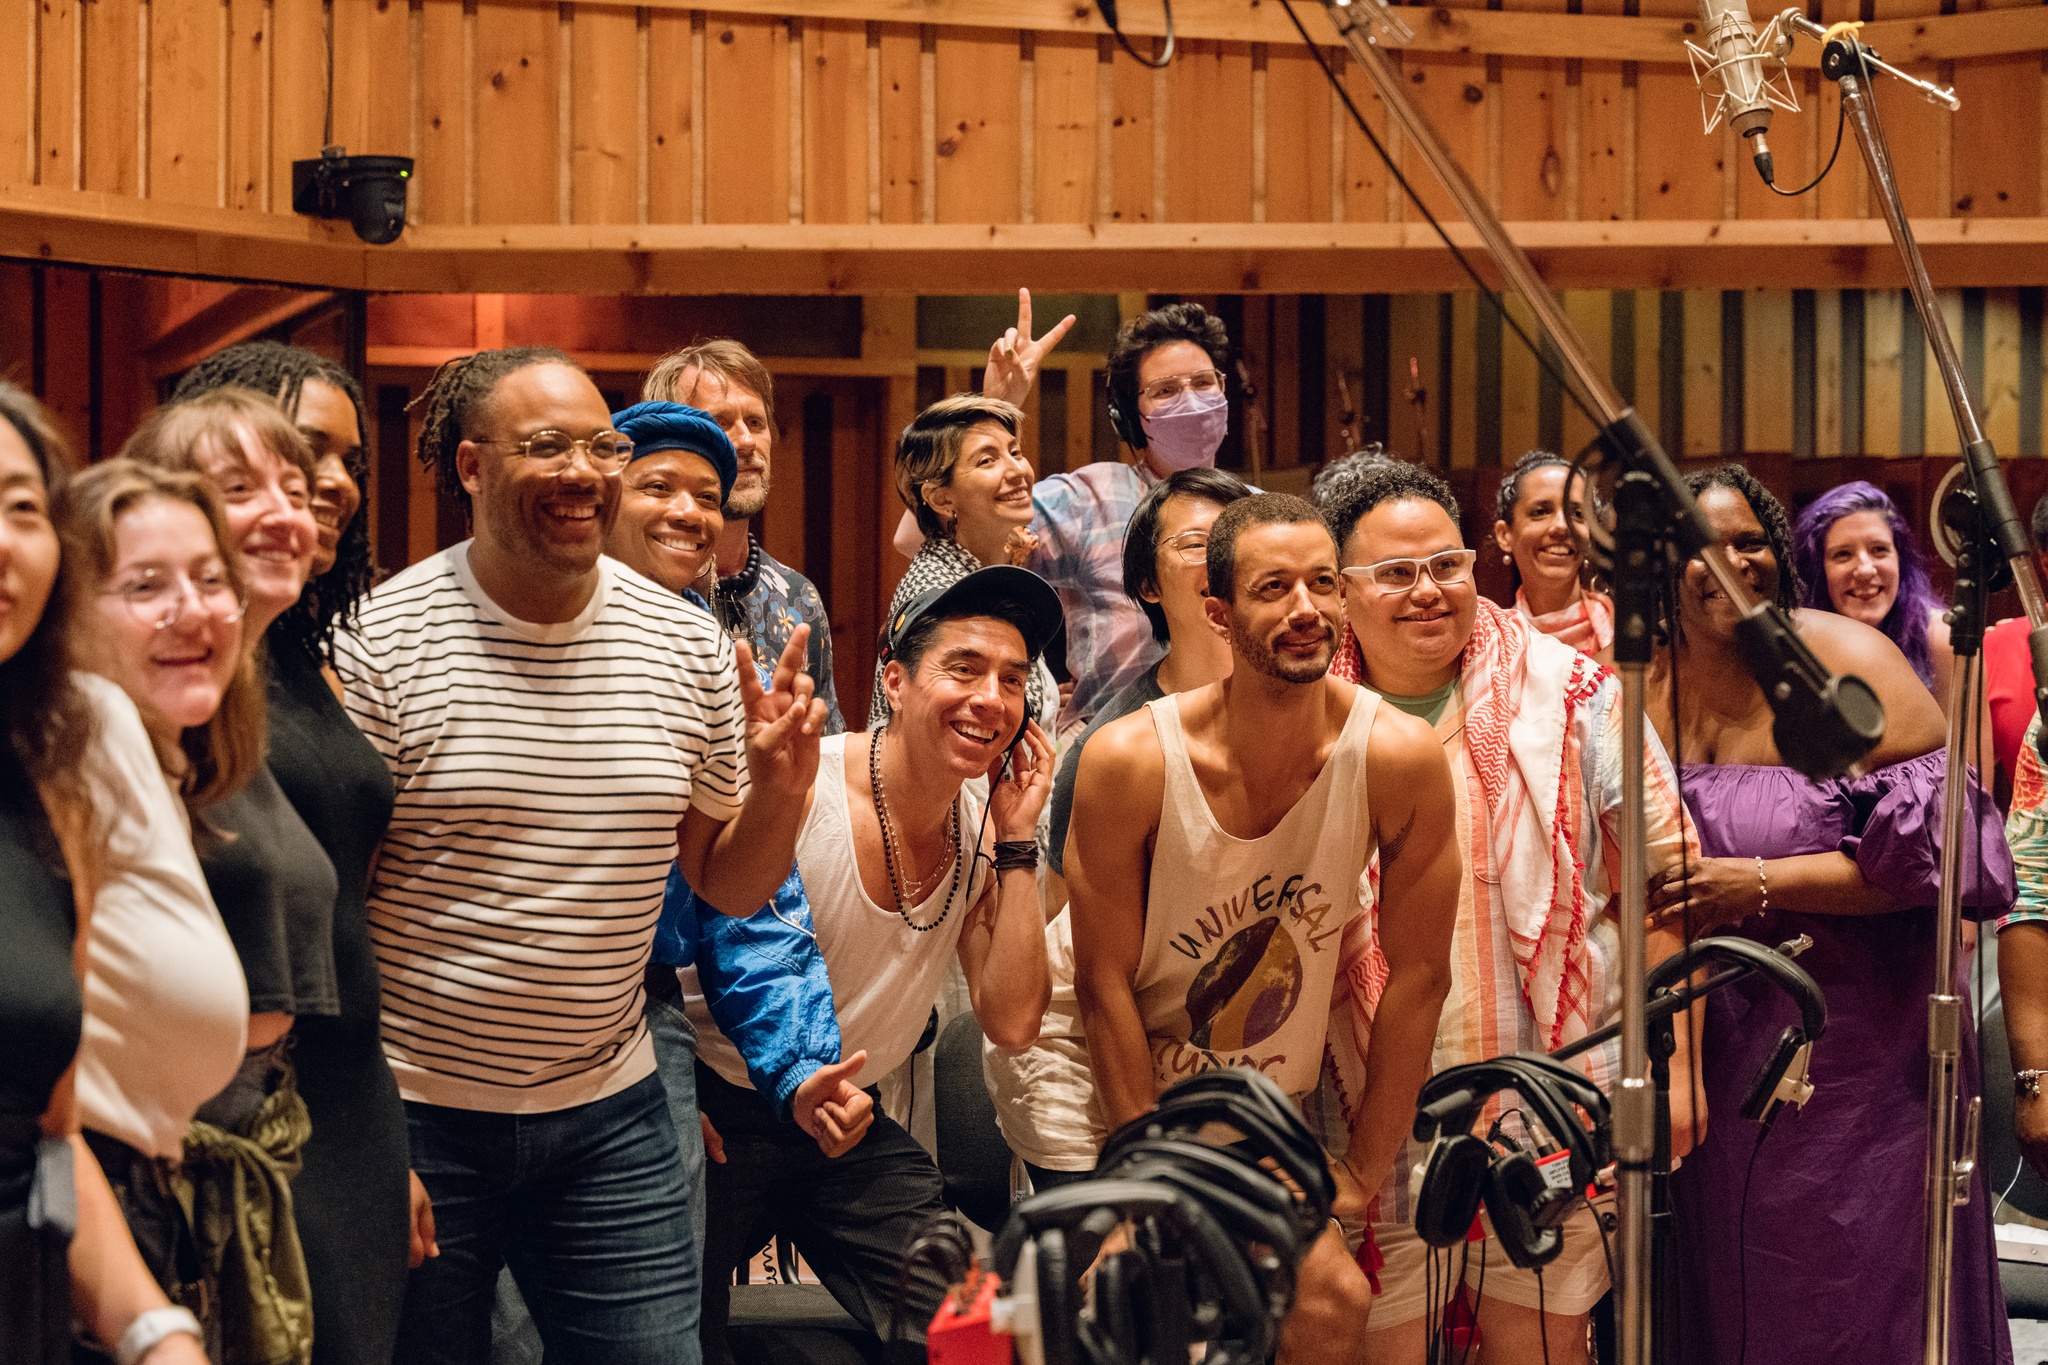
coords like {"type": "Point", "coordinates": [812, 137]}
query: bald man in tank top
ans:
{"type": "Point", "coordinates": [1217, 857]}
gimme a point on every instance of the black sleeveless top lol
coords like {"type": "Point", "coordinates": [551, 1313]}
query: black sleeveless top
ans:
{"type": "Point", "coordinates": [41, 1008]}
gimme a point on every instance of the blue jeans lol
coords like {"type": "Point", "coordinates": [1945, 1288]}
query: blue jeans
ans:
{"type": "Point", "coordinates": [675, 1061]}
{"type": "Point", "coordinates": [586, 1206]}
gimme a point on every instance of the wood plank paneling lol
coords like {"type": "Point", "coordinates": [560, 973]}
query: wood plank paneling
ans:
{"type": "Point", "coordinates": [112, 29]}
{"type": "Point", "coordinates": [441, 182]}
{"type": "Point", "coordinates": [835, 121]}
{"type": "Point", "coordinates": [976, 109]}
{"type": "Point", "coordinates": [1702, 373]}
{"type": "Point", "coordinates": [1209, 134]}
{"type": "Point", "coordinates": [1297, 139]}
{"type": "Point", "coordinates": [902, 138]}
{"type": "Point", "coordinates": [289, 40]}
{"type": "Point", "coordinates": [1881, 372]}
{"type": "Point", "coordinates": [1518, 385]}
{"type": "Point", "coordinates": [1767, 369]}
{"type": "Point", "coordinates": [604, 156]}
{"type": "Point", "coordinates": [1461, 385]}
{"type": "Point", "coordinates": [1827, 374]}
{"type": "Point", "coordinates": [1365, 173]}
{"type": "Point", "coordinates": [1592, 312]}
{"type": "Point", "coordinates": [1941, 436]}
{"type": "Point", "coordinates": [1918, 134]}
{"type": "Point", "coordinates": [18, 153]}
{"type": "Point", "coordinates": [61, 97]}
{"type": "Point", "coordinates": [1452, 94]}
{"type": "Point", "coordinates": [1606, 191]}
{"type": "Point", "coordinates": [1065, 172]}
{"type": "Point", "coordinates": [1132, 120]}
{"type": "Point", "coordinates": [518, 123]}
{"type": "Point", "coordinates": [1998, 399]}
{"type": "Point", "coordinates": [670, 78]}
{"type": "Point", "coordinates": [1998, 136]}
{"type": "Point", "coordinates": [1412, 351]}
{"type": "Point", "coordinates": [746, 112]}
{"type": "Point", "coordinates": [1533, 139]}
{"type": "Point", "coordinates": [1678, 169]}
{"type": "Point", "coordinates": [186, 89]}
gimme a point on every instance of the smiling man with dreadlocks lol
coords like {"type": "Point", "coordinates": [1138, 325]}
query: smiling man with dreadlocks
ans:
{"type": "Point", "coordinates": [561, 730]}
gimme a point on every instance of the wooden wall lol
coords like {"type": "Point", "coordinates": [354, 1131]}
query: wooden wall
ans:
{"type": "Point", "coordinates": [598, 114]}
{"type": "Point", "coordinates": [1809, 387]}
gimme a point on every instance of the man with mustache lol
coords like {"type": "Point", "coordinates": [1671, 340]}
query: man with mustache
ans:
{"type": "Point", "coordinates": [1524, 719]}
{"type": "Point", "coordinates": [758, 597]}
{"type": "Point", "coordinates": [1216, 864]}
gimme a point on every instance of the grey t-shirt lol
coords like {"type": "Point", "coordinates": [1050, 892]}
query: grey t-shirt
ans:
{"type": "Point", "coordinates": [276, 890]}
{"type": "Point", "coordinates": [1145, 688]}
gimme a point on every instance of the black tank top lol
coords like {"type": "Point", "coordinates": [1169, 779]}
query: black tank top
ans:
{"type": "Point", "coordinates": [41, 1009]}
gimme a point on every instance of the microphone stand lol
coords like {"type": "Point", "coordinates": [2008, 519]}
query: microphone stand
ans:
{"type": "Point", "coordinates": [1828, 723]}
{"type": "Point", "coordinates": [1989, 530]}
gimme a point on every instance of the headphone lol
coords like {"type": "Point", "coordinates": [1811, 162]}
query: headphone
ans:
{"type": "Point", "coordinates": [1782, 1080]}
{"type": "Point", "coordinates": [1251, 1205]}
{"type": "Point", "coordinates": [1067, 1228]}
{"type": "Point", "coordinates": [1269, 1126]}
{"type": "Point", "coordinates": [1526, 1208]}
{"type": "Point", "coordinates": [1130, 433]}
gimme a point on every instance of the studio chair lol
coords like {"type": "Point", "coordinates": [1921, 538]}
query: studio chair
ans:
{"type": "Point", "coordinates": [2025, 1282]}
{"type": "Point", "coordinates": [973, 1158]}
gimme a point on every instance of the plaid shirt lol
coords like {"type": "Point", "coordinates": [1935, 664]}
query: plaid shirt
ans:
{"type": "Point", "coordinates": [1080, 523]}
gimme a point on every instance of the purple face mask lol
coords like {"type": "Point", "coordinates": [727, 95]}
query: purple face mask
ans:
{"type": "Point", "coordinates": [1185, 430]}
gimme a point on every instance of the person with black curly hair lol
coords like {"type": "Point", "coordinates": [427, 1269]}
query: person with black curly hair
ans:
{"type": "Point", "coordinates": [362, 1218]}
{"type": "Point", "coordinates": [1769, 1269]}
{"type": "Point", "coordinates": [1540, 531]}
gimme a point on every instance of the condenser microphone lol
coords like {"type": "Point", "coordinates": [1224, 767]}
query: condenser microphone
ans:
{"type": "Point", "coordinates": [1736, 62]}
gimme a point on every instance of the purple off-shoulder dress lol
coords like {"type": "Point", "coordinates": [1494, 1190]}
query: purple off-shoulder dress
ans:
{"type": "Point", "coordinates": [1836, 1204]}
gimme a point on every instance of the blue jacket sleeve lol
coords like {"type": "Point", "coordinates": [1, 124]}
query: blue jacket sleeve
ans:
{"type": "Point", "coordinates": [765, 985]}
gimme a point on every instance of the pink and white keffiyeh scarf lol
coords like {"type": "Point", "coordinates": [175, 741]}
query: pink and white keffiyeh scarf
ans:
{"type": "Point", "coordinates": [1522, 690]}
{"type": "Point", "coordinates": [1587, 624]}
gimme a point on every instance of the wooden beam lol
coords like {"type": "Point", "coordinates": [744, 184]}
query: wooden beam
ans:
{"type": "Point", "coordinates": [105, 230]}
{"type": "Point", "coordinates": [234, 317]}
{"type": "Point", "coordinates": [1521, 33]}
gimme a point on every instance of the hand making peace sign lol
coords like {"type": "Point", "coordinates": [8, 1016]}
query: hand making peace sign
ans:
{"type": "Point", "coordinates": [1014, 359]}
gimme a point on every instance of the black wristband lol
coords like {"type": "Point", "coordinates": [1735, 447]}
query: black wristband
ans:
{"type": "Point", "coordinates": [1016, 855]}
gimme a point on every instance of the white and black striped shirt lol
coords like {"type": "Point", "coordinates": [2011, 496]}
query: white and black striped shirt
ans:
{"type": "Point", "coordinates": [542, 771]}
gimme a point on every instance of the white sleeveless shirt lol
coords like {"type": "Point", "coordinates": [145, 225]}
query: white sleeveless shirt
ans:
{"type": "Point", "coordinates": [885, 975]}
{"type": "Point", "coordinates": [1242, 936]}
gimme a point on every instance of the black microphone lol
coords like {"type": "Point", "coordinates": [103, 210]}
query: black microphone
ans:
{"type": "Point", "coordinates": [1823, 724]}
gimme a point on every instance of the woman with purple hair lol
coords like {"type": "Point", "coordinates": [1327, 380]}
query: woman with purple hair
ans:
{"type": "Point", "coordinates": [1854, 554]}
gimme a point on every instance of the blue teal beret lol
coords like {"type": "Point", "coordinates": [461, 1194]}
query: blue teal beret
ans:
{"type": "Point", "coordinates": [655, 427]}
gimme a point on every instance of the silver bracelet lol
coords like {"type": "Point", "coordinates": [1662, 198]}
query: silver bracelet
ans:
{"type": "Point", "coordinates": [149, 1329]}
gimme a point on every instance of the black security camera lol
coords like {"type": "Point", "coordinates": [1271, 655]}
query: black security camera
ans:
{"type": "Point", "coordinates": [369, 191]}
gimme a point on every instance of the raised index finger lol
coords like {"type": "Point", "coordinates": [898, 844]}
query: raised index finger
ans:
{"type": "Point", "coordinates": [1024, 315]}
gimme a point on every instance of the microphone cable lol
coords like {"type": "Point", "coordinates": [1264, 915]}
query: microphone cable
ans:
{"type": "Point", "coordinates": [1841, 118]}
{"type": "Point", "coordinates": [1165, 57]}
{"type": "Point", "coordinates": [1542, 354]}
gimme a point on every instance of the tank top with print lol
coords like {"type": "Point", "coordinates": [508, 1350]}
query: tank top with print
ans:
{"type": "Point", "coordinates": [1242, 936]}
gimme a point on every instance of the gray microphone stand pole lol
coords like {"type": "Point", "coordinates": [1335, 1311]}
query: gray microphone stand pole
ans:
{"type": "Point", "coordinates": [1634, 1106]}
{"type": "Point", "coordinates": [1951, 1156]}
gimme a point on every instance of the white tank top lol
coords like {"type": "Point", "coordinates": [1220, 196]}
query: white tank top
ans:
{"type": "Point", "coordinates": [885, 975]}
{"type": "Point", "coordinates": [1242, 935]}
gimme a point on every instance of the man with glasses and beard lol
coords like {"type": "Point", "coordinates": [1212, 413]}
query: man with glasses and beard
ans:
{"type": "Point", "coordinates": [1532, 731]}
{"type": "Point", "coordinates": [759, 598]}
{"type": "Point", "coordinates": [1217, 858]}
{"type": "Point", "coordinates": [561, 731]}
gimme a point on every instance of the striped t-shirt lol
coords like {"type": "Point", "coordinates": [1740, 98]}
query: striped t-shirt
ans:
{"type": "Point", "coordinates": [542, 771]}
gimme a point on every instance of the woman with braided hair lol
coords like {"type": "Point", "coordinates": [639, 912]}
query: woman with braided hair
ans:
{"type": "Point", "coordinates": [351, 1195]}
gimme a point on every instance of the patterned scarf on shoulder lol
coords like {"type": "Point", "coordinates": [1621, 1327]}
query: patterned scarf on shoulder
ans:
{"type": "Point", "coordinates": [1587, 624]}
{"type": "Point", "coordinates": [1522, 690]}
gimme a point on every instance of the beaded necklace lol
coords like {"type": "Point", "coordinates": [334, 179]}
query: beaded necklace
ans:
{"type": "Point", "coordinates": [917, 893]}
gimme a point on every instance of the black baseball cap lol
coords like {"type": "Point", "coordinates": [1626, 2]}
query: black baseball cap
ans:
{"type": "Point", "coordinates": [1003, 591]}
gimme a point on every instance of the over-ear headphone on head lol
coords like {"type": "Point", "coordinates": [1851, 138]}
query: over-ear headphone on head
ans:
{"type": "Point", "coordinates": [1782, 1079]}
{"type": "Point", "coordinates": [1526, 1205]}
{"type": "Point", "coordinates": [1131, 433]}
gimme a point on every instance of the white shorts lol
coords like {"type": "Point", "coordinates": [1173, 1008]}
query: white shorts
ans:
{"type": "Point", "coordinates": [1570, 1286]}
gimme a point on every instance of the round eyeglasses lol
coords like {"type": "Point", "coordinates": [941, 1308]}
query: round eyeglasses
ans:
{"type": "Point", "coordinates": [550, 451]}
{"type": "Point", "coordinates": [156, 597]}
